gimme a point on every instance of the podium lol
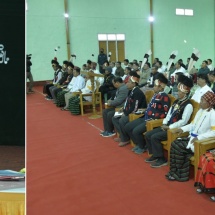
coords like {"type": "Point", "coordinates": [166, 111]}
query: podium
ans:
{"type": "Point", "coordinates": [92, 76]}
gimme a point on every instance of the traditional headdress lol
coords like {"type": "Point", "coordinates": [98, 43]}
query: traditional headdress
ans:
{"type": "Point", "coordinates": [210, 98]}
{"type": "Point", "coordinates": [161, 80]}
{"type": "Point", "coordinates": [134, 79]}
{"type": "Point", "coordinates": [185, 84]}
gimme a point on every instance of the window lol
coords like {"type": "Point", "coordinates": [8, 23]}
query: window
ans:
{"type": "Point", "coordinates": [179, 11]}
{"type": "Point", "coordinates": [188, 12]}
{"type": "Point", "coordinates": [184, 12]}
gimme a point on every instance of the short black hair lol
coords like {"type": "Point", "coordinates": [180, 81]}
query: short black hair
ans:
{"type": "Point", "coordinates": [212, 72]}
{"type": "Point", "coordinates": [203, 76]}
{"type": "Point", "coordinates": [179, 62]}
{"type": "Point", "coordinates": [160, 62]}
{"type": "Point", "coordinates": [126, 60]}
{"type": "Point", "coordinates": [118, 62]}
{"type": "Point", "coordinates": [89, 61]}
{"type": "Point", "coordinates": [162, 78]}
{"type": "Point", "coordinates": [71, 64]}
{"type": "Point", "coordinates": [210, 60]}
{"type": "Point", "coordinates": [205, 62]}
{"type": "Point", "coordinates": [149, 65]}
{"type": "Point", "coordinates": [128, 68]}
{"type": "Point", "coordinates": [77, 69]}
{"type": "Point", "coordinates": [117, 79]}
{"type": "Point", "coordinates": [66, 62]}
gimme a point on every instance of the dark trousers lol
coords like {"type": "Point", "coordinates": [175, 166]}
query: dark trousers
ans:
{"type": "Point", "coordinates": [119, 124]}
{"type": "Point", "coordinates": [107, 115]}
{"type": "Point", "coordinates": [153, 140]}
{"type": "Point", "coordinates": [134, 130]}
{"type": "Point", "coordinates": [54, 92]}
{"type": "Point", "coordinates": [31, 81]}
{"type": "Point", "coordinates": [47, 89]}
{"type": "Point", "coordinates": [105, 90]}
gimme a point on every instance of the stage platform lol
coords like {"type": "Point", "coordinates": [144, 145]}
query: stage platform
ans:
{"type": "Point", "coordinates": [12, 197]}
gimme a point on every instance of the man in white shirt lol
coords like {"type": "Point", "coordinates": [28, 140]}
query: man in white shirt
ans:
{"type": "Point", "coordinates": [178, 68]}
{"type": "Point", "coordinates": [202, 80]}
{"type": "Point", "coordinates": [161, 69]}
{"type": "Point", "coordinates": [210, 66]}
{"type": "Point", "coordinates": [112, 64]}
{"type": "Point", "coordinates": [125, 63]}
{"type": "Point", "coordinates": [93, 68]}
{"type": "Point", "coordinates": [77, 85]}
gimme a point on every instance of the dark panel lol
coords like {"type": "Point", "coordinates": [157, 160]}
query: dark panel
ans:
{"type": "Point", "coordinates": [12, 87]}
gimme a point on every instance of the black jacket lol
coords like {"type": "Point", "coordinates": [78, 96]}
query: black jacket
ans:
{"type": "Point", "coordinates": [135, 100]}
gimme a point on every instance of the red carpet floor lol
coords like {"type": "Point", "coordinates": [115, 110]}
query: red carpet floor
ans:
{"type": "Point", "coordinates": [72, 170]}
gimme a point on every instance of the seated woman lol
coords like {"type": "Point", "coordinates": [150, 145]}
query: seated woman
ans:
{"type": "Point", "coordinates": [205, 177]}
{"type": "Point", "coordinates": [202, 127]}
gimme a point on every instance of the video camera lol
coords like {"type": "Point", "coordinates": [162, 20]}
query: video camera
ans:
{"type": "Point", "coordinates": [28, 56]}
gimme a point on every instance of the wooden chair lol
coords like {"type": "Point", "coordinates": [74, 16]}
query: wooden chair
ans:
{"type": "Point", "coordinates": [148, 95]}
{"type": "Point", "coordinates": [172, 137]}
{"type": "Point", "coordinates": [97, 99]}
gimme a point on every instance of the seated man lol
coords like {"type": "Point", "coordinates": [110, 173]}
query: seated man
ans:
{"type": "Point", "coordinates": [63, 83]}
{"type": "Point", "coordinates": [135, 100]}
{"type": "Point", "coordinates": [202, 80]}
{"type": "Point", "coordinates": [66, 72]}
{"type": "Point", "coordinates": [157, 109]}
{"type": "Point", "coordinates": [178, 115]}
{"type": "Point", "coordinates": [150, 82]}
{"type": "Point", "coordinates": [117, 102]}
{"type": "Point", "coordinates": [202, 127]}
{"type": "Point", "coordinates": [74, 101]}
{"type": "Point", "coordinates": [57, 77]}
{"type": "Point", "coordinates": [78, 84]}
{"type": "Point", "coordinates": [107, 86]}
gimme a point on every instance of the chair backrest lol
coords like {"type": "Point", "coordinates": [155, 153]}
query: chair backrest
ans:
{"type": "Point", "coordinates": [172, 99]}
{"type": "Point", "coordinates": [195, 109]}
{"type": "Point", "coordinates": [97, 86]}
{"type": "Point", "coordinates": [148, 95]}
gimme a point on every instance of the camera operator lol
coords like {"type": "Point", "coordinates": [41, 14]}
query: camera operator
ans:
{"type": "Point", "coordinates": [29, 75]}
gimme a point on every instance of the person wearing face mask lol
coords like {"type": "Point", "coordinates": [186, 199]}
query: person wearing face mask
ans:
{"type": "Point", "coordinates": [102, 58]}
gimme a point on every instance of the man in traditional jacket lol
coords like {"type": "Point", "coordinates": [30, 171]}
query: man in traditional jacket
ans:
{"type": "Point", "coordinates": [182, 149]}
{"type": "Point", "coordinates": [178, 115]}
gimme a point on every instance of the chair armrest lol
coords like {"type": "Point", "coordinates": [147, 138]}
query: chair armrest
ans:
{"type": "Point", "coordinates": [117, 109]}
{"type": "Point", "coordinates": [133, 116]}
{"type": "Point", "coordinates": [85, 94]}
{"type": "Point", "coordinates": [150, 125]}
{"type": "Point", "coordinates": [206, 145]}
{"type": "Point", "coordinates": [173, 136]}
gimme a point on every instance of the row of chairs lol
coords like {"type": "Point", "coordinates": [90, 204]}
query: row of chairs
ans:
{"type": "Point", "coordinates": [201, 146]}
